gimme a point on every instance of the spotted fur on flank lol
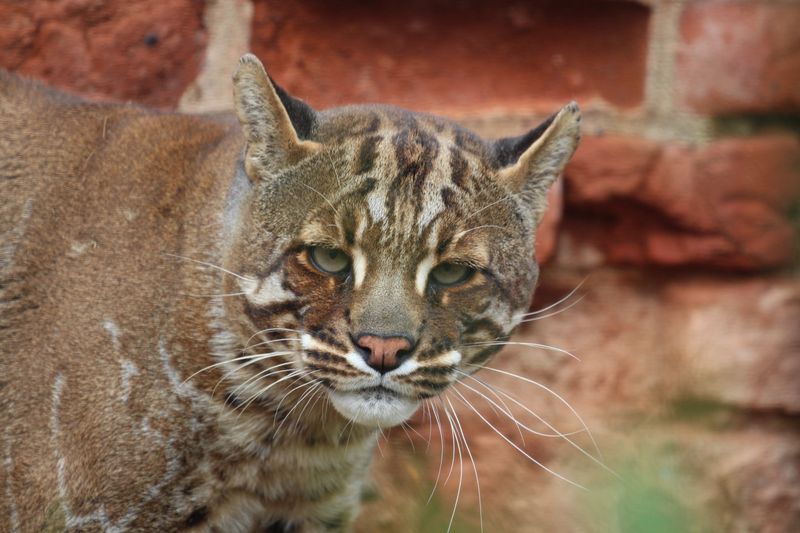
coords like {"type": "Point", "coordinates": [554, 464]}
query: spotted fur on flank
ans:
{"type": "Point", "coordinates": [171, 359]}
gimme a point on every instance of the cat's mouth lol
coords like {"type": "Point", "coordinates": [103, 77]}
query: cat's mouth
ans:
{"type": "Point", "coordinates": [378, 406]}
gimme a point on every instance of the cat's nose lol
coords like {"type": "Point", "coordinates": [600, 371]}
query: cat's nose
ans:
{"type": "Point", "coordinates": [384, 353]}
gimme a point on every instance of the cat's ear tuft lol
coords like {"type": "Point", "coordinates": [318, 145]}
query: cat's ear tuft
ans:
{"type": "Point", "coordinates": [530, 163]}
{"type": "Point", "coordinates": [275, 124]}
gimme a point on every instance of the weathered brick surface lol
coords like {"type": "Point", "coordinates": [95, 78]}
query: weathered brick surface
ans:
{"type": "Point", "coordinates": [147, 51]}
{"type": "Point", "coordinates": [740, 56]}
{"type": "Point", "coordinates": [456, 57]}
{"type": "Point", "coordinates": [728, 204]}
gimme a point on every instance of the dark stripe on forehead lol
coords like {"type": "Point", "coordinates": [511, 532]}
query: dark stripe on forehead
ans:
{"type": "Point", "coordinates": [469, 142]}
{"type": "Point", "coordinates": [415, 152]}
{"type": "Point", "coordinates": [367, 187]}
{"type": "Point", "coordinates": [458, 168]}
{"type": "Point", "coordinates": [448, 197]}
{"type": "Point", "coordinates": [404, 121]}
{"type": "Point", "coordinates": [367, 153]}
{"type": "Point", "coordinates": [349, 125]}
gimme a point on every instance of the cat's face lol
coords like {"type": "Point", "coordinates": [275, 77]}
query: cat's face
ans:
{"type": "Point", "coordinates": [394, 250]}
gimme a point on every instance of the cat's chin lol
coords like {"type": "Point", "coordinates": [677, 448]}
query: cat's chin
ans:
{"type": "Point", "coordinates": [376, 408]}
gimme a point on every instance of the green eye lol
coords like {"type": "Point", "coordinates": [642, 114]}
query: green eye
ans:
{"type": "Point", "coordinates": [329, 260]}
{"type": "Point", "coordinates": [449, 274]}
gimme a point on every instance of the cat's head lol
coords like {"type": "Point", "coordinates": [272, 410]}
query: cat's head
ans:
{"type": "Point", "coordinates": [393, 249]}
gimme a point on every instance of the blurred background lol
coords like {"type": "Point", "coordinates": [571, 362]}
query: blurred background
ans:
{"type": "Point", "coordinates": [677, 220]}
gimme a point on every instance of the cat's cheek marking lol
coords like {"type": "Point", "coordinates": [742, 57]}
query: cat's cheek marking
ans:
{"type": "Point", "coordinates": [451, 358]}
{"type": "Point", "coordinates": [307, 342]}
{"type": "Point", "coordinates": [265, 291]}
{"type": "Point", "coordinates": [423, 270]}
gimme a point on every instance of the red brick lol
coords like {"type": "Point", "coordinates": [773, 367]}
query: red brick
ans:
{"type": "Point", "coordinates": [451, 57]}
{"type": "Point", "coordinates": [726, 204]}
{"type": "Point", "coordinates": [739, 57]}
{"type": "Point", "coordinates": [16, 33]}
{"type": "Point", "coordinates": [547, 232]}
{"type": "Point", "coordinates": [146, 51]}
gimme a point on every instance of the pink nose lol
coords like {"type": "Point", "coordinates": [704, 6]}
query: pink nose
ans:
{"type": "Point", "coordinates": [384, 354]}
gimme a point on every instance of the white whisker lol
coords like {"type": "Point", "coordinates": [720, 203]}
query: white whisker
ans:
{"type": "Point", "coordinates": [269, 330]}
{"type": "Point", "coordinates": [299, 401]}
{"type": "Point", "coordinates": [256, 357]}
{"type": "Point", "coordinates": [261, 357]}
{"type": "Point", "coordinates": [472, 460]}
{"type": "Point", "coordinates": [408, 436]}
{"type": "Point", "coordinates": [508, 412]}
{"type": "Point", "coordinates": [435, 412]}
{"type": "Point", "coordinates": [255, 395]}
{"type": "Point", "coordinates": [553, 393]}
{"type": "Point", "coordinates": [211, 265]}
{"type": "Point", "coordinates": [457, 441]}
{"type": "Point", "coordinates": [307, 186]}
{"type": "Point", "coordinates": [509, 441]}
{"type": "Point", "coordinates": [262, 374]}
{"type": "Point", "coordinates": [333, 167]}
{"type": "Point", "coordinates": [554, 313]}
{"type": "Point", "coordinates": [484, 208]}
{"type": "Point", "coordinates": [565, 436]}
{"type": "Point", "coordinates": [213, 295]}
{"type": "Point", "coordinates": [565, 298]}
{"type": "Point", "coordinates": [460, 234]}
{"type": "Point", "coordinates": [526, 344]}
{"type": "Point", "coordinates": [287, 339]}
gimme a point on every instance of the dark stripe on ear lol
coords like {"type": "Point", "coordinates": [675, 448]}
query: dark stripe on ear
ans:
{"type": "Point", "coordinates": [507, 151]}
{"type": "Point", "coordinates": [303, 117]}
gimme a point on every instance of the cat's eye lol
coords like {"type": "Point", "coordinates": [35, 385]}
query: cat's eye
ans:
{"type": "Point", "coordinates": [449, 274]}
{"type": "Point", "coordinates": [329, 260]}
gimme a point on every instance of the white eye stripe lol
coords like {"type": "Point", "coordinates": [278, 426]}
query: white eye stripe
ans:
{"type": "Point", "coordinates": [265, 291]}
{"type": "Point", "coordinates": [423, 270]}
{"type": "Point", "coordinates": [359, 267]}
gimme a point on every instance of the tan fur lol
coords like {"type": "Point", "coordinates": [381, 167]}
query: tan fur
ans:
{"type": "Point", "coordinates": [143, 252]}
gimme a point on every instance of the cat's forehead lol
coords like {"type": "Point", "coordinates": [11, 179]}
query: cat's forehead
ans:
{"type": "Point", "coordinates": [410, 182]}
{"type": "Point", "coordinates": [385, 131]}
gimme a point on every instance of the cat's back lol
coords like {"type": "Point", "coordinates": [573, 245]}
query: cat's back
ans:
{"type": "Point", "coordinates": [92, 199]}
{"type": "Point", "coordinates": [90, 194]}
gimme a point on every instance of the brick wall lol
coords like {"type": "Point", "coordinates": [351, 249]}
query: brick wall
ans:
{"type": "Point", "coordinates": [682, 206]}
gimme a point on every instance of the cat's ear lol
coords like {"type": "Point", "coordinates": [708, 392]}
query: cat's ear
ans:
{"type": "Point", "coordinates": [276, 125]}
{"type": "Point", "coordinates": [530, 163]}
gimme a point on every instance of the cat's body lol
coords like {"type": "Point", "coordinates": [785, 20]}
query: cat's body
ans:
{"type": "Point", "coordinates": [141, 248]}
